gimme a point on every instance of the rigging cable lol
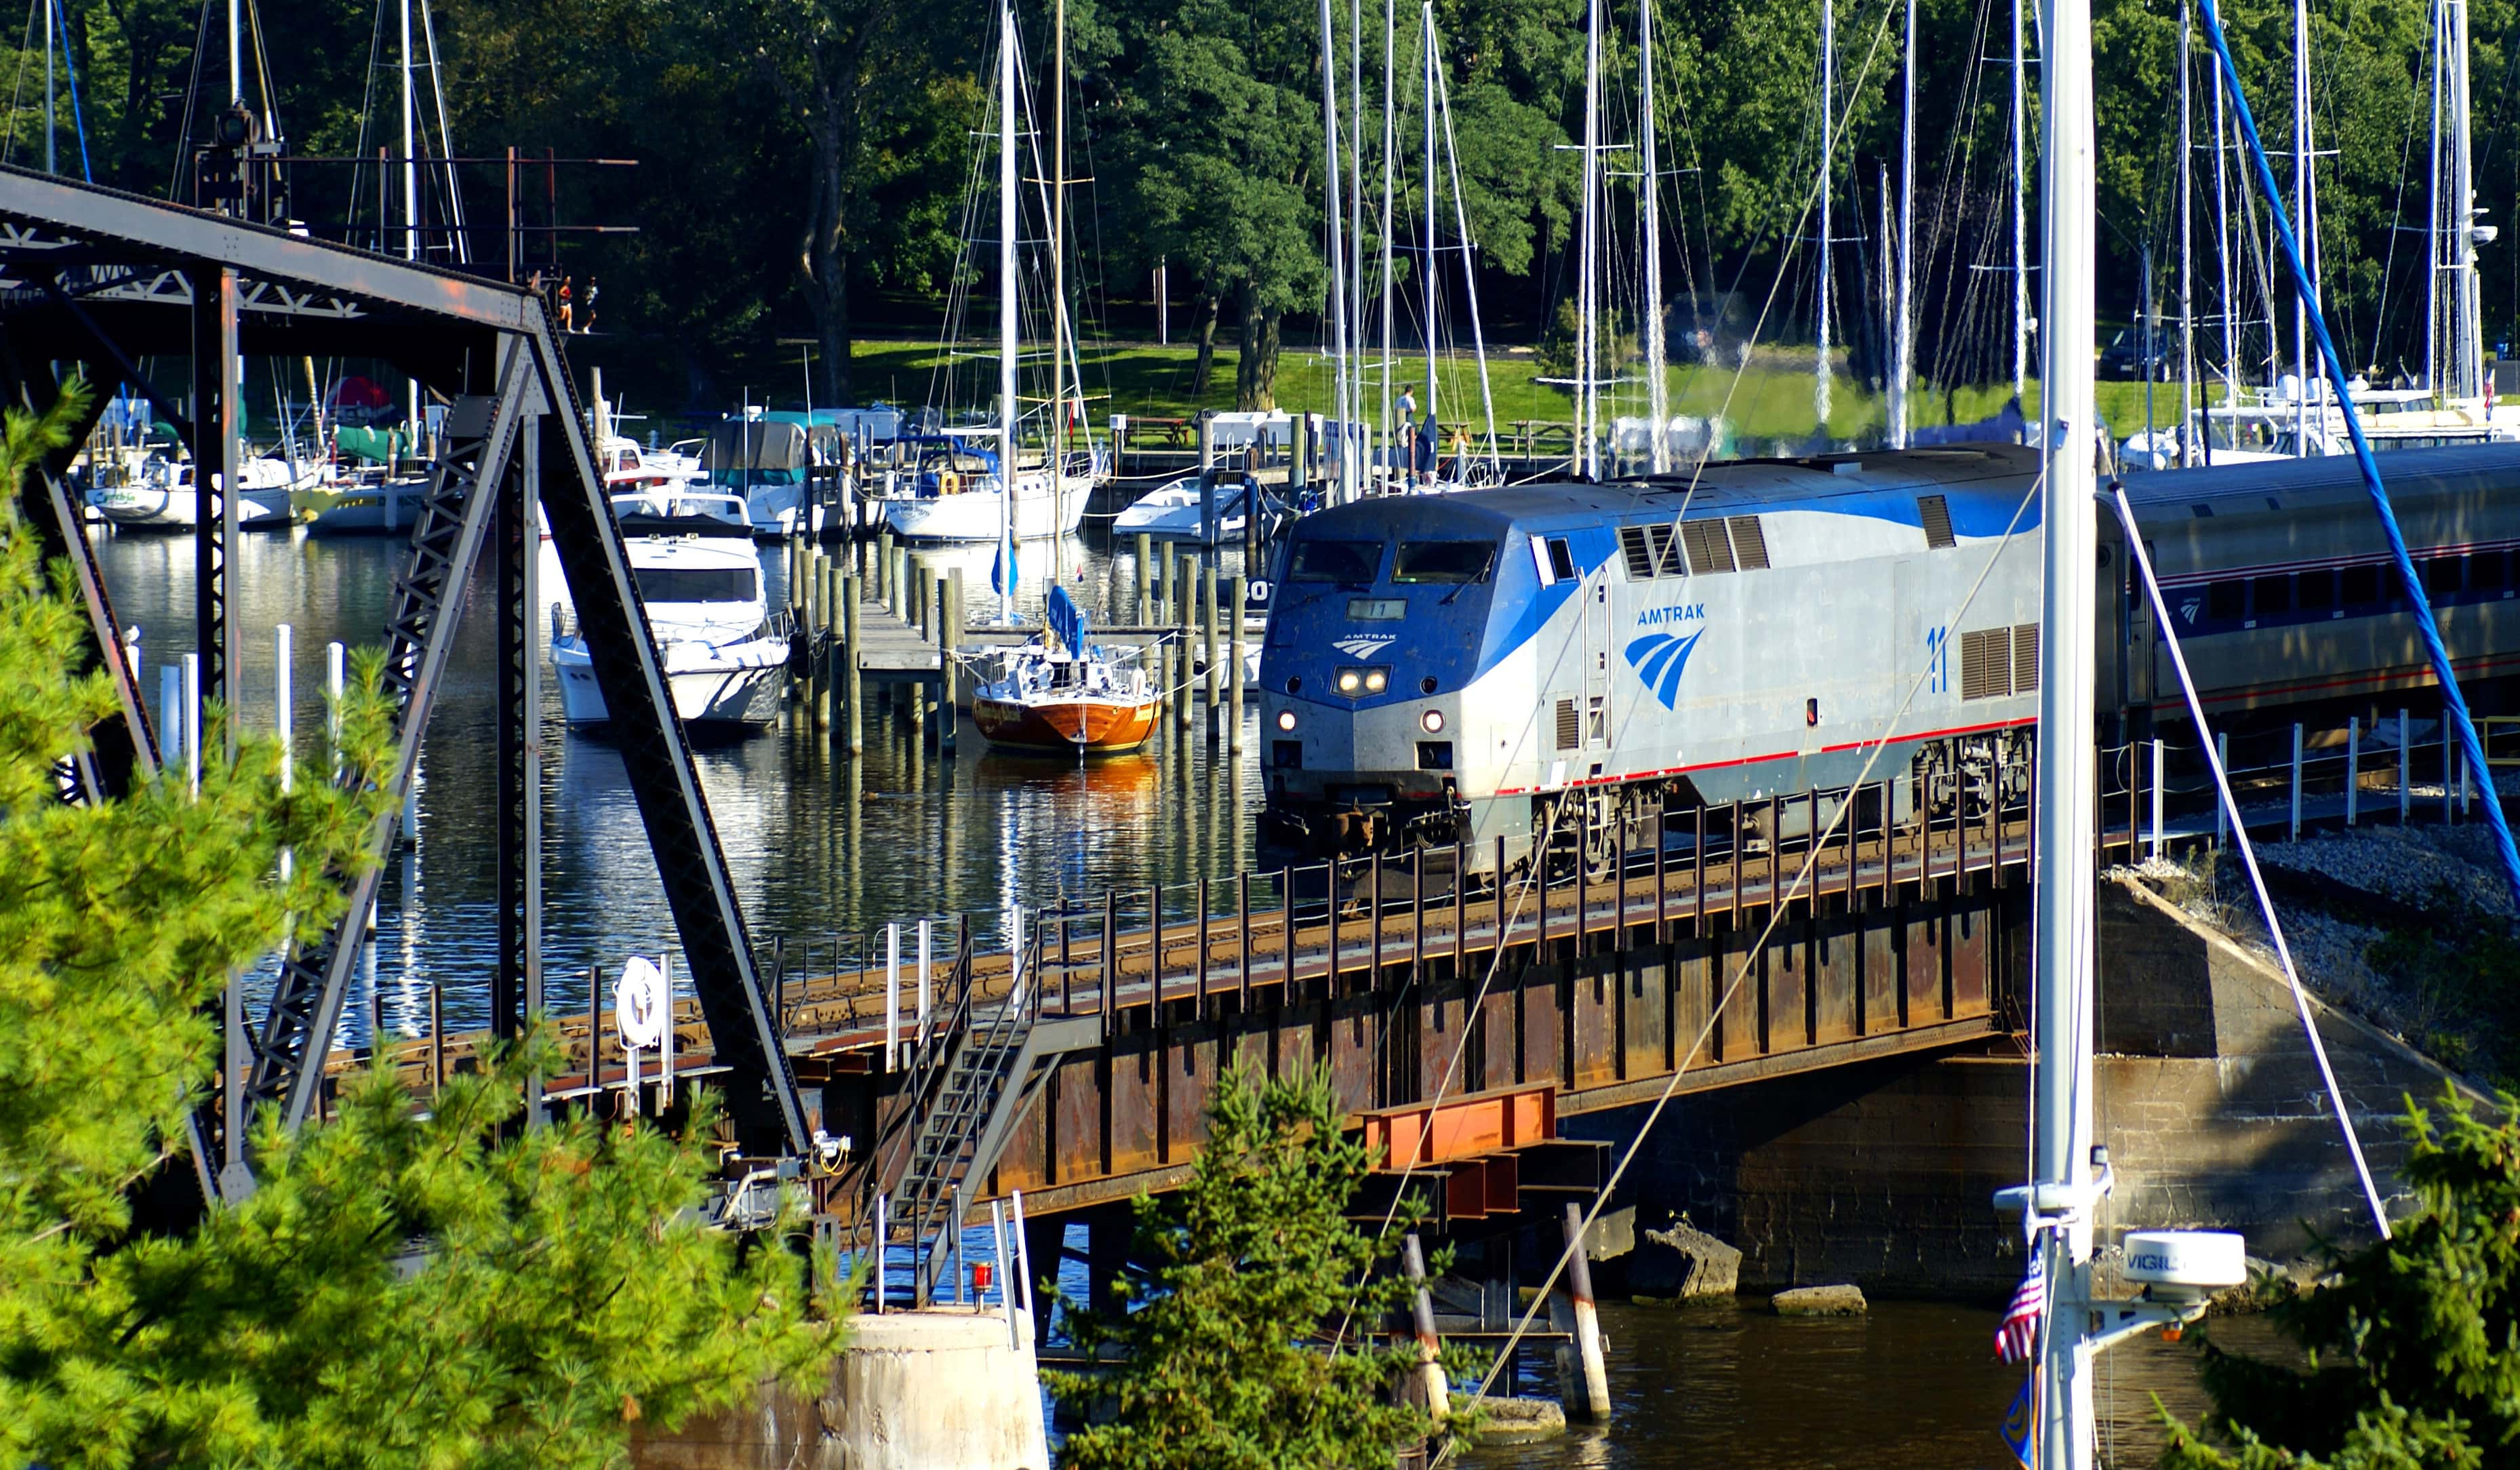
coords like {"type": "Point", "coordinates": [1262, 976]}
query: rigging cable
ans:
{"type": "Point", "coordinates": [2434, 650]}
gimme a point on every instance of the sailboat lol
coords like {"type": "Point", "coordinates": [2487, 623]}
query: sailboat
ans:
{"type": "Point", "coordinates": [965, 488]}
{"type": "Point", "coordinates": [1434, 466]}
{"type": "Point", "coordinates": [1062, 693]}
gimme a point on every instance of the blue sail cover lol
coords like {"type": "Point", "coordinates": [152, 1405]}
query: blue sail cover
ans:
{"type": "Point", "coordinates": [1066, 621]}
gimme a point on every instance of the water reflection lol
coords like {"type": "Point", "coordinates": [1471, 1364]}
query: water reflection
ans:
{"type": "Point", "coordinates": [819, 849]}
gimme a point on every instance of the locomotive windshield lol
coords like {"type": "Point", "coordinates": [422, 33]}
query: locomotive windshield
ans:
{"type": "Point", "coordinates": [1325, 560]}
{"type": "Point", "coordinates": [1441, 563]}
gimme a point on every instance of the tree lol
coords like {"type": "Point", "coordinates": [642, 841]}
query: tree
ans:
{"type": "Point", "coordinates": [2413, 1343]}
{"type": "Point", "coordinates": [1252, 1257]}
{"type": "Point", "coordinates": [400, 1290]}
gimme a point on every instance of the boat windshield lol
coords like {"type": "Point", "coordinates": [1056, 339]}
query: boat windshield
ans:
{"type": "Point", "coordinates": [1441, 563]}
{"type": "Point", "coordinates": [1326, 561]}
{"type": "Point", "coordinates": [697, 583]}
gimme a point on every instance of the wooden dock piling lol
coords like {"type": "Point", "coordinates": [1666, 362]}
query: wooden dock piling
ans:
{"type": "Point", "coordinates": [949, 644]}
{"type": "Point", "coordinates": [852, 691]}
{"type": "Point", "coordinates": [1215, 669]}
{"type": "Point", "coordinates": [1233, 674]}
{"type": "Point", "coordinates": [1182, 610]}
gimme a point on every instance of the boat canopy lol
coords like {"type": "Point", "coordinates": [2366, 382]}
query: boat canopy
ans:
{"type": "Point", "coordinates": [1065, 620]}
{"type": "Point", "coordinates": [755, 452]}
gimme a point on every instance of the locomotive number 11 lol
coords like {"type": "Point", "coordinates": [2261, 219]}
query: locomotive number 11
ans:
{"type": "Point", "coordinates": [1938, 661]}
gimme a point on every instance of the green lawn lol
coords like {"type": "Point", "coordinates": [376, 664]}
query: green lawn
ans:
{"type": "Point", "coordinates": [1769, 399]}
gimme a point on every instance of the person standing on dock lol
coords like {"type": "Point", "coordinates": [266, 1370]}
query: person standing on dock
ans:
{"type": "Point", "coordinates": [1404, 430]}
{"type": "Point", "coordinates": [567, 302]}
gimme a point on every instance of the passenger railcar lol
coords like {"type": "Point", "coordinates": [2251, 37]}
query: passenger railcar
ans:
{"type": "Point", "coordinates": [1443, 669]}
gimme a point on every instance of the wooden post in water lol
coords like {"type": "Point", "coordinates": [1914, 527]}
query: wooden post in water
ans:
{"type": "Point", "coordinates": [1182, 611]}
{"type": "Point", "coordinates": [1146, 588]}
{"type": "Point", "coordinates": [1215, 668]}
{"type": "Point", "coordinates": [924, 582]}
{"type": "Point", "coordinates": [594, 1027]}
{"type": "Point", "coordinates": [884, 568]}
{"type": "Point", "coordinates": [852, 689]}
{"type": "Point", "coordinates": [949, 669]}
{"type": "Point", "coordinates": [1233, 671]}
{"type": "Point", "coordinates": [1585, 1390]}
{"type": "Point", "coordinates": [1427, 1380]}
{"type": "Point", "coordinates": [827, 597]}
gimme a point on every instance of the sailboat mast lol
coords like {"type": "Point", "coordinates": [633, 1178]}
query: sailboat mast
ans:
{"type": "Point", "coordinates": [235, 49]}
{"type": "Point", "coordinates": [1426, 262]}
{"type": "Point", "coordinates": [1343, 427]}
{"type": "Point", "coordinates": [1828, 148]}
{"type": "Point", "coordinates": [1390, 142]}
{"type": "Point", "coordinates": [2187, 405]}
{"type": "Point", "coordinates": [2308, 222]}
{"type": "Point", "coordinates": [2437, 373]}
{"type": "Point", "coordinates": [2067, 766]}
{"type": "Point", "coordinates": [2020, 222]}
{"type": "Point", "coordinates": [410, 156]}
{"type": "Point", "coordinates": [1903, 367]}
{"type": "Point", "coordinates": [52, 124]}
{"type": "Point", "coordinates": [1587, 290]}
{"type": "Point", "coordinates": [2223, 259]}
{"type": "Point", "coordinates": [1355, 197]}
{"type": "Point", "coordinates": [1007, 315]}
{"type": "Point", "coordinates": [1058, 254]}
{"type": "Point", "coordinates": [2467, 339]}
{"type": "Point", "coordinates": [1650, 197]}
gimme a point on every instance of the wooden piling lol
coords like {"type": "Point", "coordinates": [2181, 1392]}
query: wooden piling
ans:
{"type": "Point", "coordinates": [1583, 1364]}
{"type": "Point", "coordinates": [1427, 1380]}
{"type": "Point", "coordinates": [1181, 610]}
{"type": "Point", "coordinates": [1145, 581]}
{"type": "Point", "coordinates": [949, 626]}
{"type": "Point", "coordinates": [884, 568]}
{"type": "Point", "coordinates": [1215, 669]}
{"type": "Point", "coordinates": [852, 733]}
{"type": "Point", "coordinates": [1233, 671]}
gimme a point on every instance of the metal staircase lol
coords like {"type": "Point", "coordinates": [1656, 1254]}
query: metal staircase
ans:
{"type": "Point", "coordinates": [970, 1079]}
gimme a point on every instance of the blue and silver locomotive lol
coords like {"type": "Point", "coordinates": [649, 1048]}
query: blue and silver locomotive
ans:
{"type": "Point", "coordinates": [1458, 669]}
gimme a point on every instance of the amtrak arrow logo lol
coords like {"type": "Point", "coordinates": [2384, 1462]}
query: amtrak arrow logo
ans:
{"type": "Point", "coordinates": [1658, 659]}
{"type": "Point", "coordinates": [1363, 646]}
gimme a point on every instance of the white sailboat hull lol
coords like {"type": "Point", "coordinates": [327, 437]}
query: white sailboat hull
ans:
{"type": "Point", "coordinates": [976, 515]}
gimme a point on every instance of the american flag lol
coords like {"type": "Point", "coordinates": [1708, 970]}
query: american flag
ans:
{"type": "Point", "coordinates": [2018, 1336]}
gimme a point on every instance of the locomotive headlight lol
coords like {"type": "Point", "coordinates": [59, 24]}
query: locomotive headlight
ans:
{"type": "Point", "coordinates": [1285, 720]}
{"type": "Point", "coordinates": [1432, 722]}
{"type": "Point", "coordinates": [1348, 681]}
{"type": "Point", "coordinates": [1375, 680]}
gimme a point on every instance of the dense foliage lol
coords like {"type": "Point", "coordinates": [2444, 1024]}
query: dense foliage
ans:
{"type": "Point", "coordinates": [1249, 1260]}
{"type": "Point", "coordinates": [803, 163]}
{"type": "Point", "coordinates": [399, 1290]}
{"type": "Point", "coordinates": [2412, 1345]}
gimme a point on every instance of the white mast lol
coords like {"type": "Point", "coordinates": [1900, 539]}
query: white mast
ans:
{"type": "Point", "coordinates": [2187, 404]}
{"type": "Point", "coordinates": [2020, 222]}
{"type": "Point", "coordinates": [1587, 288]}
{"type": "Point", "coordinates": [1827, 128]}
{"type": "Point", "coordinates": [1006, 407]}
{"type": "Point", "coordinates": [1339, 256]}
{"type": "Point", "coordinates": [2067, 765]}
{"type": "Point", "coordinates": [236, 51]}
{"type": "Point", "coordinates": [2468, 338]}
{"type": "Point", "coordinates": [1356, 208]}
{"type": "Point", "coordinates": [2437, 372]}
{"type": "Point", "coordinates": [1649, 189]}
{"type": "Point", "coordinates": [1390, 142]}
{"type": "Point", "coordinates": [52, 124]}
{"type": "Point", "coordinates": [1462, 225]}
{"type": "Point", "coordinates": [410, 156]}
{"type": "Point", "coordinates": [2301, 165]}
{"type": "Point", "coordinates": [1426, 262]}
{"type": "Point", "coordinates": [1903, 339]}
{"type": "Point", "coordinates": [2223, 259]}
{"type": "Point", "coordinates": [1058, 263]}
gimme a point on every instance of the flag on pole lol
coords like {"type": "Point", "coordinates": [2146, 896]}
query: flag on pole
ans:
{"type": "Point", "coordinates": [2018, 1336]}
{"type": "Point", "coordinates": [2018, 1424]}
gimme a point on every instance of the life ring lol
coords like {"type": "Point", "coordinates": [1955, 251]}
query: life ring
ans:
{"type": "Point", "coordinates": [949, 482]}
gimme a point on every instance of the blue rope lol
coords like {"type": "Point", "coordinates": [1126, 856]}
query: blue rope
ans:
{"type": "Point", "coordinates": [2451, 698]}
{"type": "Point", "coordinates": [79, 124]}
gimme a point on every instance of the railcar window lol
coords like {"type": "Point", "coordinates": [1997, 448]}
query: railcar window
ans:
{"type": "Point", "coordinates": [2227, 602]}
{"type": "Point", "coordinates": [2441, 576]}
{"type": "Point", "coordinates": [1441, 562]}
{"type": "Point", "coordinates": [1326, 561]}
{"type": "Point", "coordinates": [2361, 586]}
{"type": "Point", "coordinates": [2270, 597]}
{"type": "Point", "coordinates": [2316, 592]}
{"type": "Point", "coordinates": [2487, 570]}
{"type": "Point", "coordinates": [696, 583]}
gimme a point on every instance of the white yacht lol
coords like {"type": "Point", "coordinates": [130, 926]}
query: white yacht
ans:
{"type": "Point", "coordinates": [954, 492]}
{"type": "Point", "coordinates": [162, 497]}
{"type": "Point", "coordinates": [725, 651]}
{"type": "Point", "coordinates": [1172, 513]}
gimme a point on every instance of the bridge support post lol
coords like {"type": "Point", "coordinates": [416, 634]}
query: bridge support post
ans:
{"type": "Point", "coordinates": [1584, 1378]}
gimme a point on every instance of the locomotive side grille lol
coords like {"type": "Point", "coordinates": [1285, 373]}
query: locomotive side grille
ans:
{"type": "Point", "coordinates": [1570, 732]}
{"type": "Point", "coordinates": [1937, 514]}
{"type": "Point", "coordinates": [2025, 659]}
{"type": "Point", "coordinates": [1749, 543]}
{"type": "Point", "coordinates": [1710, 551]}
{"type": "Point", "coordinates": [1648, 552]}
{"type": "Point", "coordinates": [1639, 558]}
{"type": "Point", "coordinates": [1986, 664]}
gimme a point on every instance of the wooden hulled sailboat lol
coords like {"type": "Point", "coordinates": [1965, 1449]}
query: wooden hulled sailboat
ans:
{"type": "Point", "coordinates": [1061, 694]}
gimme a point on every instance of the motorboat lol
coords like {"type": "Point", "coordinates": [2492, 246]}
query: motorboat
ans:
{"type": "Point", "coordinates": [725, 650]}
{"type": "Point", "coordinates": [162, 497]}
{"type": "Point", "coordinates": [1173, 513]}
{"type": "Point", "coordinates": [685, 508]}
{"type": "Point", "coordinates": [1060, 692]}
{"type": "Point", "coordinates": [954, 491]}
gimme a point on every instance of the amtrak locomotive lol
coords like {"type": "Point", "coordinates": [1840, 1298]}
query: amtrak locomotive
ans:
{"type": "Point", "coordinates": [1445, 670]}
